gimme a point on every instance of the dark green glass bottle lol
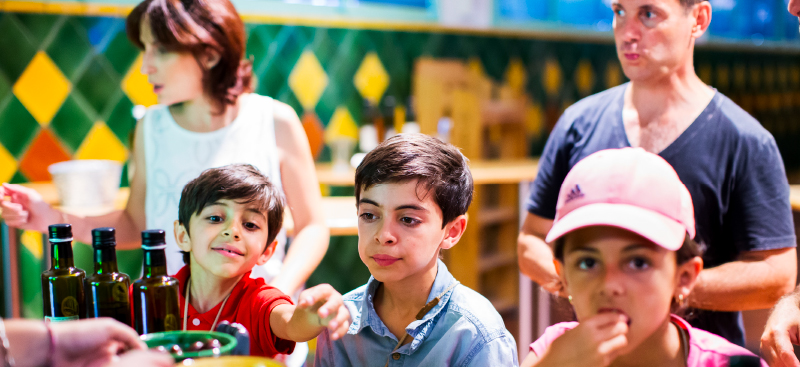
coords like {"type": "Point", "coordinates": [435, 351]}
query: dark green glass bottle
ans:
{"type": "Point", "coordinates": [107, 289]}
{"type": "Point", "coordinates": [62, 285]}
{"type": "Point", "coordinates": [155, 295]}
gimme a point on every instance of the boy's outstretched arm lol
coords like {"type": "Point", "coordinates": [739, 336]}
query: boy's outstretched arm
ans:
{"type": "Point", "coordinates": [318, 308]}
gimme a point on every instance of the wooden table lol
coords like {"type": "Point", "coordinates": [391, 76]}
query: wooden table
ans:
{"type": "Point", "coordinates": [340, 211]}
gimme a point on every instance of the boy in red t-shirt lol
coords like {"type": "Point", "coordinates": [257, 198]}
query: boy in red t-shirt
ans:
{"type": "Point", "coordinates": [227, 223]}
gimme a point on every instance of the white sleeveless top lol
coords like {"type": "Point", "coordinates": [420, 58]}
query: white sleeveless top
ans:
{"type": "Point", "coordinates": [174, 156]}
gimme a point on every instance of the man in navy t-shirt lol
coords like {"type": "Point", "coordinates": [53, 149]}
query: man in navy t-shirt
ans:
{"type": "Point", "coordinates": [729, 163]}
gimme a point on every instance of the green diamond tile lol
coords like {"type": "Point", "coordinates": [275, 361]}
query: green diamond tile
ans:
{"type": "Point", "coordinates": [256, 49]}
{"type": "Point", "coordinates": [18, 127]}
{"type": "Point", "coordinates": [14, 41]}
{"type": "Point", "coordinates": [97, 84]}
{"type": "Point", "coordinates": [120, 52]}
{"type": "Point", "coordinates": [5, 87]}
{"type": "Point", "coordinates": [123, 182]}
{"type": "Point", "coordinates": [121, 120]}
{"type": "Point", "coordinates": [71, 124]}
{"type": "Point", "coordinates": [18, 178]}
{"type": "Point", "coordinates": [69, 49]}
{"type": "Point", "coordinates": [38, 25]}
{"type": "Point", "coordinates": [324, 46]}
{"type": "Point", "coordinates": [287, 96]}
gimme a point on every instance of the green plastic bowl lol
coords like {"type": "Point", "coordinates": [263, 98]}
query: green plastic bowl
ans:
{"type": "Point", "coordinates": [186, 338]}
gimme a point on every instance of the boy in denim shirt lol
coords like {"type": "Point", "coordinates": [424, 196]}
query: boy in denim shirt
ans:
{"type": "Point", "coordinates": [412, 193]}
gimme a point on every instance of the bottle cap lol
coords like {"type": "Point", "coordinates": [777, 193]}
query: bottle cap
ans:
{"type": "Point", "coordinates": [60, 233]}
{"type": "Point", "coordinates": [103, 237]}
{"type": "Point", "coordinates": [154, 239]}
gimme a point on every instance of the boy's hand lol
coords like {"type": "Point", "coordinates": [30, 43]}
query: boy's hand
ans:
{"type": "Point", "coordinates": [325, 306]}
{"type": "Point", "coordinates": [594, 342]}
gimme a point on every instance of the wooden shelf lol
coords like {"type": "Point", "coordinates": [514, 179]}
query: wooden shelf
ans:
{"type": "Point", "coordinates": [504, 305]}
{"type": "Point", "coordinates": [487, 217]}
{"type": "Point", "coordinates": [494, 261]}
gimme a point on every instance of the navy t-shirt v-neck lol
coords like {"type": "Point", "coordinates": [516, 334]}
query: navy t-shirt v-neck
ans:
{"type": "Point", "coordinates": [728, 161]}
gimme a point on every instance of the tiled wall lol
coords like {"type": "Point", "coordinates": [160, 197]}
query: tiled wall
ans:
{"type": "Point", "coordinates": [68, 85]}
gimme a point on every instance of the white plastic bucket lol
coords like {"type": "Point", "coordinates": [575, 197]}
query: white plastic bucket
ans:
{"type": "Point", "coordinates": [86, 183]}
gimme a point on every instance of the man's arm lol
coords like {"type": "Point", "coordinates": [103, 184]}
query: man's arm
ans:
{"type": "Point", "coordinates": [535, 255]}
{"type": "Point", "coordinates": [756, 280]}
{"type": "Point", "coordinates": [782, 330]}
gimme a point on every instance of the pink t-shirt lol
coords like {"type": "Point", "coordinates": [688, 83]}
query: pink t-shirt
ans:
{"type": "Point", "coordinates": [705, 349]}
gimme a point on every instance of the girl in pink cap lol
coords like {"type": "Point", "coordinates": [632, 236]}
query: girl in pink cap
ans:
{"type": "Point", "coordinates": [623, 246]}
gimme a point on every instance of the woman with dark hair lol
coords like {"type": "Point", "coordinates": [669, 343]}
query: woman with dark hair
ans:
{"type": "Point", "coordinates": [193, 54]}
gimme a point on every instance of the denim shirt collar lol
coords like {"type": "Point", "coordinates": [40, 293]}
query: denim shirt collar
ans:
{"type": "Point", "coordinates": [419, 329]}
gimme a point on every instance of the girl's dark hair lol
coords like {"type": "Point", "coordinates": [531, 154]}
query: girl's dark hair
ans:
{"type": "Point", "coordinates": [199, 26]}
{"type": "Point", "coordinates": [689, 250]}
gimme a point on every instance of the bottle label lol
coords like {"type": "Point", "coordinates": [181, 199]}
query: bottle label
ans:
{"type": "Point", "coordinates": [70, 307]}
{"type": "Point", "coordinates": [60, 319]}
{"type": "Point", "coordinates": [119, 293]}
{"type": "Point", "coordinates": [170, 323]}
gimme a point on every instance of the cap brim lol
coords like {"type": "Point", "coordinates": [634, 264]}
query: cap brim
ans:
{"type": "Point", "coordinates": [658, 228]}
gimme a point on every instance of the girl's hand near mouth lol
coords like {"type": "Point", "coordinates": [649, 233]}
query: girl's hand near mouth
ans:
{"type": "Point", "coordinates": [597, 341]}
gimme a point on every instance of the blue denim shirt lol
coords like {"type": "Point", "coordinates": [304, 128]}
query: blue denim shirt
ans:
{"type": "Point", "coordinates": [464, 329]}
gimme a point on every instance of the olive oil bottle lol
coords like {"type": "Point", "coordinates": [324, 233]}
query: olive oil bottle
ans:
{"type": "Point", "coordinates": [155, 295]}
{"type": "Point", "coordinates": [62, 284]}
{"type": "Point", "coordinates": [107, 289]}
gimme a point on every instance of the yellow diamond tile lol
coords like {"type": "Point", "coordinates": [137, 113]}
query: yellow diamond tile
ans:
{"type": "Point", "coordinates": [8, 165]}
{"type": "Point", "coordinates": [474, 65]}
{"type": "Point", "coordinates": [755, 76]}
{"type": "Point", "coordinates": [723, 76]}
{"type": "Point", "coordinates": [342, 125]}
{"type": "Point", "coordinates": [769, 76]}
{"type": "Point", "coordinates": [516, 76]}
{"type": "Point", "coordinates": [794, 76]}
{"type": "Point", "coordinates": [613, 74]}
{"type": "Point", "coordinates": [584, 77]}
{"type": "Point", "coordinates": [137, 88]}
{"type": "Point", "coordinates": [101, 143]}
{"type": "Point", "coordinates": [704, 73]}
{"type": "Point", "coordinates": [33, 242]}
{"type": "Point", "coordinates": [371, 78]}
{"type": "Point", "coordinates": [739, 76]}
{"type": "Point", "coordinates": [308, 80]}
{"type": "Point", "coordinates": [42, 88]}
{"type": "Point", "coordinates": [552, 77]}
{"type": "Point", "coordinates": [534, 119]}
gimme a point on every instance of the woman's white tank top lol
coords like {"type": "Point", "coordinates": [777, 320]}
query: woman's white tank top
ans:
{"type": "Point", "coordinates": [174, 156]}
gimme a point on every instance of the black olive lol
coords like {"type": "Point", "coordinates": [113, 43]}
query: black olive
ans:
{"type": "Point", "coordinates": [196, 346]}
{"type": "Point", "coordinates": [176, 350]}
{"type": "Point", "coordinates": [213, 343]}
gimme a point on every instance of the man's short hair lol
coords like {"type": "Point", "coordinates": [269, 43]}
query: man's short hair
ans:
{"type": "Point", "coordinates": [438, 167]}
{"type": "Point", "coordinates": [241, 183]}
{"type": "Point", "coordinates": [690, 3]}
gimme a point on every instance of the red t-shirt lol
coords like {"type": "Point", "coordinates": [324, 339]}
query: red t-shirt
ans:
{"type": "Point", "coordinates": [250, 304]}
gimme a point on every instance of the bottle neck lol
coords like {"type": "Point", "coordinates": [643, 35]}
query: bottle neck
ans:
{"type": "Point", "coordinates": [61, 255]}
{"type": "Point", "coordinates": [155, 263]}
{"type": "Point", "coordinates": [105, 260]}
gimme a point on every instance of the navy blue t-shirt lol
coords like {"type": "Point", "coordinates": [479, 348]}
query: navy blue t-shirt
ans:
{"type": "Point", "coordinates": [727, 160]}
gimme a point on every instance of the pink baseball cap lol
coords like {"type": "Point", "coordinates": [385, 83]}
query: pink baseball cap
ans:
{"type": "Point", "coordinates": [627, 188]}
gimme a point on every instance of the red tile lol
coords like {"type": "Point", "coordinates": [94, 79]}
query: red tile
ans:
{"type": "Point", "coordinates": [314, 132]}
{"type": "Point", "coordinates": [44, 151]}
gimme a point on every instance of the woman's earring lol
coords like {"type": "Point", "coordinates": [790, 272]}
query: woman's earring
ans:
{"type": "Point", "coordinates": [680, 300]}
{"type": "Point", "coordinates": [569, 298]}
